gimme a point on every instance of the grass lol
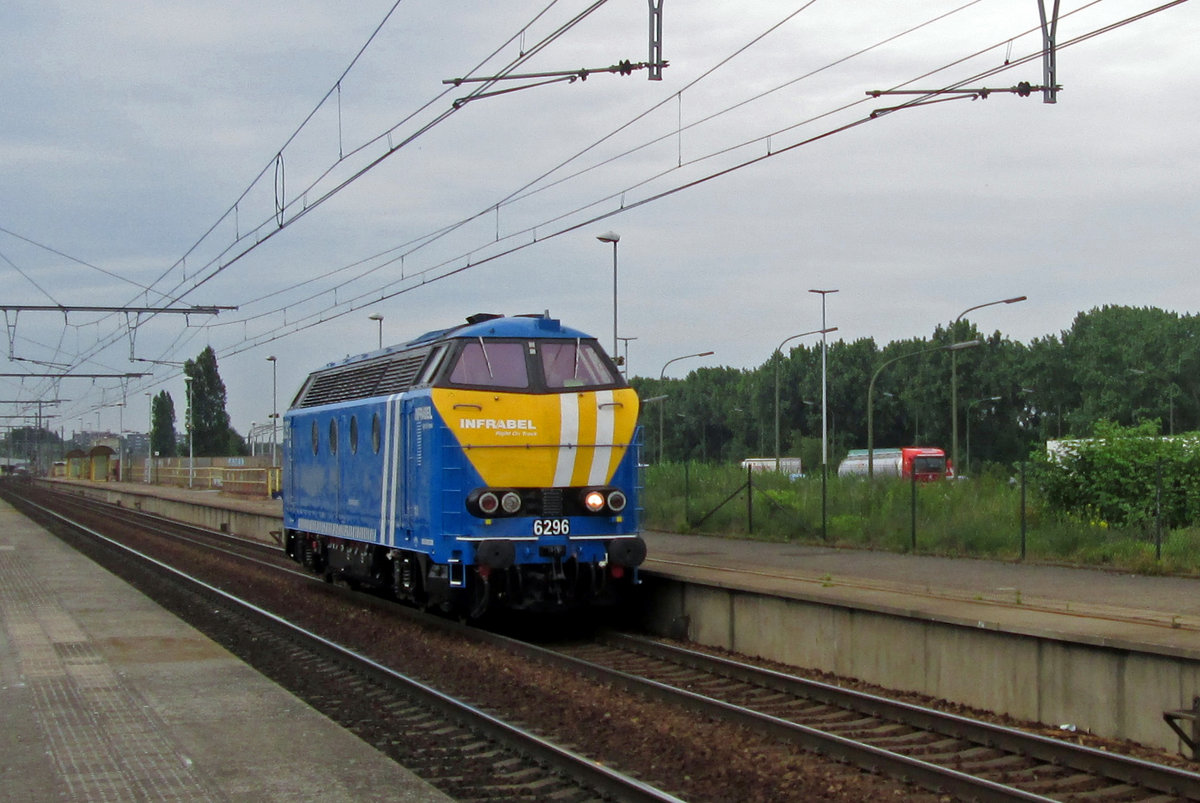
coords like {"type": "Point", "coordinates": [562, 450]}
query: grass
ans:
{"type": "Point", "coordinates": [977, 518]}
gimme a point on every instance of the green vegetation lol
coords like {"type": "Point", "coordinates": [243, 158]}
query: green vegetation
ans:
{"type": "Point", "coordinates": [162, 415]}
{"type": "Point", "coordinates": [1127, 477]}
{"type": "Point", "coordinates": [212, 435]}
{"type": "Point", "coordinates": [977, 518]}
{"type": "Point", "coordinates": [1114, 381]}
{"type": "Point", "coordinates": [1115, 364]}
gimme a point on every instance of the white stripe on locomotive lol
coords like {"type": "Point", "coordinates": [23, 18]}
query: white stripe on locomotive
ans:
{"type": "Point", "coordinates": [568, 436]}
{"type": "Point", "coordinates": [606, 423]}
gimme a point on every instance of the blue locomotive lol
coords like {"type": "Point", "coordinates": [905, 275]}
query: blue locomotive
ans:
{"type": "Point", "coordinates": [489, 464]}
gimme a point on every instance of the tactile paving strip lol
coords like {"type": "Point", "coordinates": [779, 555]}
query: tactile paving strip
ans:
{"type": "Point", "coordinates": [104, 740]}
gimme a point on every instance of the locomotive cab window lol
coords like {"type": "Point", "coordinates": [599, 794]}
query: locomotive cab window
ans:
{"type": "Point", "coordinates": [433, 364]}
{"type": "Point", "coordinates": [491, 364]}
{"type": "Point", "coordinates": [575, 364]}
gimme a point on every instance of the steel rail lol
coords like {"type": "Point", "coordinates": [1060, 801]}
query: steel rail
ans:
{"type": "Point", "coordinates": [1114, 766]}
{"type": "Point", "coordinates": [865, 756]}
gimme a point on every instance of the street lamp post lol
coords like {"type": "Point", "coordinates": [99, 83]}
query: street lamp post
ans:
{"type": "Point", "coordinates": [971, 404]}
{"type": "Point", "coordinates": [779, 355]}
{"type": "Point", "coordinates": [191, 434]}
{"type": "Point", "coordinates": [954, 372]}
{"type": "Point", "coordinates": [375, 316]}
{"type": "Point", "coordinates": [275, 403]}
{"type": "Point", "coordinates": [661, 377]}
{"type": "Point", "coordinates": [120, 442]}
{"type": "Point", "coordinates": [150, 439]}
{"type": "Point", "coordinates": [824, 386]}
{"type": "Point", "coordinates": [952, 348]}
{"type": "Point", "coordinates": [824, 424]}
{"type": "Point", "coordinates": [614, 238]}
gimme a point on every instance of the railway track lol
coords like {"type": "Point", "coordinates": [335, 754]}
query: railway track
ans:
{"type": "Point", "coordinates": [967, 758]}
{"type": "Point", "coordinates": [459, 748]}
{"type": "Point", "coordinates": [93, 510]}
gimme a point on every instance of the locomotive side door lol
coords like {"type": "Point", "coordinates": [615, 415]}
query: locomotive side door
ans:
{"type": "Point", "coordinates": [387, 435]}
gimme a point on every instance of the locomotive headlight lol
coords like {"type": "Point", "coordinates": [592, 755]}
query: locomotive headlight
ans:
{"type": "Point", "coordinates": [616, 501]}
{"type": "Point", "coordinates": [488, 503]}
{"type": "Point", "coordinates": [510, 502]}
{"type": "Point", "coordinates": [593, 501]}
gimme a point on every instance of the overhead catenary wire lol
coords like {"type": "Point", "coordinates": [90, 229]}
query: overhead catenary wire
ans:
{"type": "Point", "coordinates": [219, 263]}
{"type": "Point", "coordinates": [379, 293]}
{"type": "Point", "coordinates": [525, 190]}
{"type": "Point", "coordinates": [457, 265]}
{"type": "Point", "coordinates": [181, 289]}
{"type": "Point", "coordinates": [454, 266]}
{"type": "Point", "coordinates": [280, 216]}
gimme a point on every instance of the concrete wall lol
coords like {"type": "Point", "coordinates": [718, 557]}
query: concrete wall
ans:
{"type": "Point", "coordinates": [1107, 690]}
{"type": "Point", "coordinates": [206, 512]}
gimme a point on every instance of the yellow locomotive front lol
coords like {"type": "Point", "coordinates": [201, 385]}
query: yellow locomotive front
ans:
{"type": "Point", "coordinates": [546, 430]}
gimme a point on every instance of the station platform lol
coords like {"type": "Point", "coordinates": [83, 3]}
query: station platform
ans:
{"type": "Point", "coordinates": [1155, 614]}
{"type": "Point", "coordinates": [106, 696]}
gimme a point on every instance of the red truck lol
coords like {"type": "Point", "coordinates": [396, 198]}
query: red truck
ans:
{"type": "Point", "coordinates": [926, 463]}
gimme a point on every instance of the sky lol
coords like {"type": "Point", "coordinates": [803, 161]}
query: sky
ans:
{"type": "Point", "coordinates": [304, 165]}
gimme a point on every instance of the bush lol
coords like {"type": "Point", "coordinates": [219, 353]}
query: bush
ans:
{"type": "Point", "coordinates": [1125, 477]}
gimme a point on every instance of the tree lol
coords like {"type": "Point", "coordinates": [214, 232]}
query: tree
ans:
{"type": "Point", "coordinates": [162, 419]}
{"type": "Point", "coordinates": [1119, 364]}
{"type": "Point", "coordinates": [27, 443]}
{"type": "Point", "coordinates": [209, 419]}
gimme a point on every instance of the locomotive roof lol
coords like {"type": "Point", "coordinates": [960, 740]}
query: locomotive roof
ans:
{"type": "Point", "coordinates": [517, 326]}
{"type": "Point", "coordinates": [396, 368]}
{"type": "Point", "coordinates": [484, 324]}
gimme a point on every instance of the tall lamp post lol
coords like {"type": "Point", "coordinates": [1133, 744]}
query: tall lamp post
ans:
{"type": "Point", "coordinates": [187, 381]}
{"type": "Point", "coordinates": [824, 423]}
{"type": "Point", "coordinates": [120, 442]}
{"type": "Point", "coordinates": [275, 396]}
{"type": "Point", "coordinates": [661, 377]}
{"type": "Point", "coordinates": [778, 353]}
{"type": "Point", "coordinates": [824, 386]}
{"type": "Point", "coordinates": [952, 348]}
{"type": "Point", "coordinates": [614, 238]}
{"type": "Point", "coordinates": [375, 316]}
{"type": "Point", "coordinates": [150, 439]}
{"type": "Point", "coordinates": [954, 373]}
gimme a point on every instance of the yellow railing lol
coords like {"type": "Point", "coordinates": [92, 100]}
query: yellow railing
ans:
{"type": "Point", "coordinates": [261, 483]}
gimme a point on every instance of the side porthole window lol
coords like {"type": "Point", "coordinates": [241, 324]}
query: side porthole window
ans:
{"type": "Point", "coordinates": [375, 434]}
{"type": "Point", "coordinates": [316, 438]}
{"type": "Point", "coordinates": [353, 434]}
{"type": "Point", "coordinates": [333, 444]}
